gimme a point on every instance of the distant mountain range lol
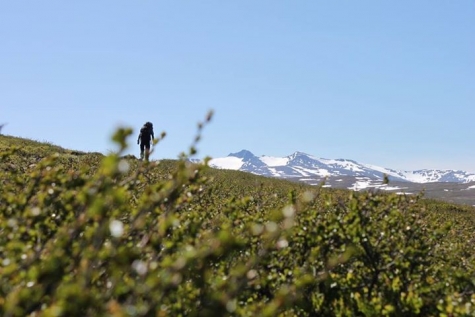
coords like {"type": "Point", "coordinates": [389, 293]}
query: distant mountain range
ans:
{"type": "Point", "coordinates": [307, 167]}
{"type": "Point", "coordinates": [345, 173]}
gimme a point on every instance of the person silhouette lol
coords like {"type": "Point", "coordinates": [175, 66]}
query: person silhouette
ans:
{"type": "Point", "coordinates": [145, 137]}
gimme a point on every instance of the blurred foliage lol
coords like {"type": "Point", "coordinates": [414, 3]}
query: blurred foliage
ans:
{"type": "Point", "coordinates": [82, 234]}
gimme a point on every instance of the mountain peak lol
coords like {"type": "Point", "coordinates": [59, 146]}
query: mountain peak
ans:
{"type": "Point", "coordinates": [297, 154]}
{"type": "Point", "coordinates": [244, 154]}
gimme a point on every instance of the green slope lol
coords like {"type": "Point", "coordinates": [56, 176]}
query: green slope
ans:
{"type": "Point", "coordinates": [82, 234]}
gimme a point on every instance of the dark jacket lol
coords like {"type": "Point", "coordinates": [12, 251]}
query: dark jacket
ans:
{"type": "Point", "coordinates": [146, 135]}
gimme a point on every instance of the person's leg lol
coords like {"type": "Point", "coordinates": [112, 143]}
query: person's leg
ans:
{"type": "Point", "coordinates": [142, 148]}
{"type": "Point", "coordinates": [147, 150]}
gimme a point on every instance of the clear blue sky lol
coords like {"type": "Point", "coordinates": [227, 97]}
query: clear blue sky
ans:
{"type": "Point", "coordinates": [390, 83]}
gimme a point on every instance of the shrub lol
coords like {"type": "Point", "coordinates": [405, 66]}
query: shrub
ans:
{"type": "Point", "coordinates": [86, 235]}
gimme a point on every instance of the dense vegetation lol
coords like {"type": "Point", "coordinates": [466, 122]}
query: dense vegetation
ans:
{"type": "Point", "coordinates": [82, 234]}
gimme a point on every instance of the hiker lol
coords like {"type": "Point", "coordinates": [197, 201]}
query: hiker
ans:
{"type": "Point", "coordinates": [144, 139]}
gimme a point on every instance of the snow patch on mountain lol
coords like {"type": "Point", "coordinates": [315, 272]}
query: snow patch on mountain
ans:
{"type": "Point", "coordinates": [230, 163]}
{"type": "Point", "coordinates": [359, 185]}
{"type": "Point", "coordinates": [274, 161]}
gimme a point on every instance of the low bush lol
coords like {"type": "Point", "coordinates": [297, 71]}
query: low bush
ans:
{"type": "Point", "coordinates": [87, 235]}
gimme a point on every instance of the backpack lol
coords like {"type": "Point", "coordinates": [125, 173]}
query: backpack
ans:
{"type": "Point", "coordinates": [145, 134]}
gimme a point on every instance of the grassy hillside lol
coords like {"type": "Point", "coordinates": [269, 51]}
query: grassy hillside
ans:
{"type": "Point", "coordinates": [82, 234]}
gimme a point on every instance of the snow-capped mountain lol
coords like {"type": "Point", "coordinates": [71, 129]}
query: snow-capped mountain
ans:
{"type": "Point", "coordinates": [308, 168]}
